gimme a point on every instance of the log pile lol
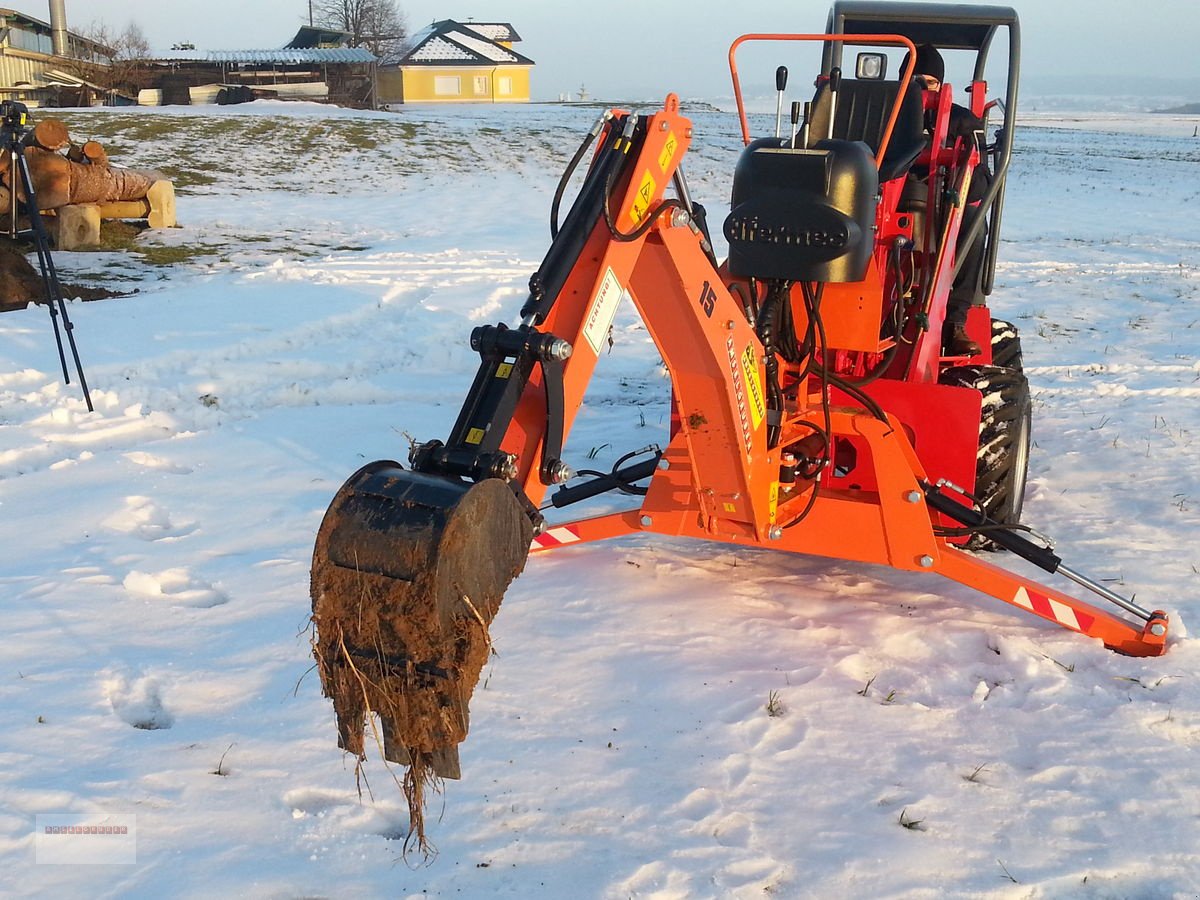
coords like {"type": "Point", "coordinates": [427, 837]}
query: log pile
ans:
{"type": "Point", "coordinates": [79, 186]}
{"type": "Point", "coordinates": [82, 174]}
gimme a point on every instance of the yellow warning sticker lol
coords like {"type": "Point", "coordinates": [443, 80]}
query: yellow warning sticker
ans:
{"type": "Point", "coordinates": [475, 436]}
{"type": "Point", "coordinates": [664, 158]}
{"type": "Point", "coordinates": [754, 387]}
{"type": "Point", "coordinates": [641, 202]}
{"type": "Point", "coordinates": [504, 370]}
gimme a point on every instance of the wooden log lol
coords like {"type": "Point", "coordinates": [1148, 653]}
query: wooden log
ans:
{"type": "Point", "coordinates": [89, 153]}
{"type": "Point", "coordinates": [49, 134]}
{"type": "Point", "coordinates": [58, 181]}
{"type": "Point", "coordinates": [51, 176]}
{"type": "Point", "coordinates": [125, 209]}
{"type": "Point", "coordinates": [157, 207]}
{"type": "Point", "coordinates": [94, 153]}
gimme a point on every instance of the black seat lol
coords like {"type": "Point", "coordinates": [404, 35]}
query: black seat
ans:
{"type": "Point", "coordinates": [862, 112]}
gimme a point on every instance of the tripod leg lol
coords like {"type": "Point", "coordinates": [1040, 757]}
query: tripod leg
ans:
{"type": "Point", "coordinates": [54, 297]}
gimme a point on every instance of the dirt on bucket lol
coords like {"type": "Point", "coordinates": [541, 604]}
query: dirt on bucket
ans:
{"type": "Point", "coordinates": [408, 573]}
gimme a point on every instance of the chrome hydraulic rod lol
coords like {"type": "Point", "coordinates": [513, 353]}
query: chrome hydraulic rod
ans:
{"type": "Point", "coordinates": [1043, 557]}
{"type": "Point", "coordinates": [1083, 581]}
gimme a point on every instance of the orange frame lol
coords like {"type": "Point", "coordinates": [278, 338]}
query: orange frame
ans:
{"type": "Point", "coordinates": [718, 479]}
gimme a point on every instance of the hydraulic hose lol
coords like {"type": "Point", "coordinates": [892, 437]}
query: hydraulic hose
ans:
{"type": "Point", "coordinates": [560, 259]}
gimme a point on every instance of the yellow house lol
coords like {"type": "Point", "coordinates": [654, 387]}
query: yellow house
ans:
{"type": "Point", "coordinates": [453, 62]}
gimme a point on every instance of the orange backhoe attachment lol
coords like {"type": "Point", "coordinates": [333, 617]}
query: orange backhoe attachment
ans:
{"type": "Point", "coordinates": [813, 410]}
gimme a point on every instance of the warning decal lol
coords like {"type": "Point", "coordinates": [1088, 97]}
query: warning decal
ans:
{"type": "Point", "coordinates": [754, 387]}
{"type": "Point", "coordinates": [641, 203]}
{"type": "Point", "coordinates": [603, 311]}
{"type": "Point", "coordinates": [664, 158]}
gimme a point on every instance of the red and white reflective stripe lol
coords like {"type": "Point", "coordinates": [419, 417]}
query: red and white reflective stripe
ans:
{"type": "Point", "coordinates": [1049, 608]}
{"type": "Point", "coordinates": [554, 537]}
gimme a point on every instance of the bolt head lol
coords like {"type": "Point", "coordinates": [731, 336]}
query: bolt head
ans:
{"type": "Point", "coordinates": [560, 472]}
{"type": "Point", "coordinates": [775, 533]}
{"type": "Point", "coordinates": [1158, 629]}
{"type": "Point", "coordinates": [510, 470]}
{"type": "Point", "coordinates": [913, 496]}
{"type": "Point", "coordinates": [925, 562]}
{"type": "Point", "coordinates": [646, 521]}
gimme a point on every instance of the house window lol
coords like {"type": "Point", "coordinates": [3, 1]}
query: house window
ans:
{"type": "Point", "coordinates": [447, 85]}
{"type": "Point", "coordinates": [481, 85]}
{"type": "Point", "coordinates": [504, 85]}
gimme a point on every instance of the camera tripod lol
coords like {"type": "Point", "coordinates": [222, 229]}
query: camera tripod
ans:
{"type": "Point", "coordinates": [13, 137]}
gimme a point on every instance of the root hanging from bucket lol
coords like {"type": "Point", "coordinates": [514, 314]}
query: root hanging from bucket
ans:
{"type": "Point", "coordinates": [403, 599]}
{"type": "Point", "coordinates": [418, 775]}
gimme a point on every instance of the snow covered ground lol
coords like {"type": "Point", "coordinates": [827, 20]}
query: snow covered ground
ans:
{"type": "Point", "coordinates": [928, 742]}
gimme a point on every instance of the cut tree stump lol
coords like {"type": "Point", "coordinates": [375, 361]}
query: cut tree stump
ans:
{"type": "Point", "coordinates": [75, 227]}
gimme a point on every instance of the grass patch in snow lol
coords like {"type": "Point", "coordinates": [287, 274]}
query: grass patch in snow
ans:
{"type": "Point", "coordinates": [124, 237]}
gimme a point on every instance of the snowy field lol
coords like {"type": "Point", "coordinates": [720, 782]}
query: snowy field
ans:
{"type": "Point", "coordinates": [154, 580]}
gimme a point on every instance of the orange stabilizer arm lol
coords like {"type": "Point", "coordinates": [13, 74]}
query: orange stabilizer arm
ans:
{"type": "Point", "coordinates": [1062, 609]}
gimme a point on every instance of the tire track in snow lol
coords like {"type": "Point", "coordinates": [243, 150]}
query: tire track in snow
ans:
{"type": "Point", "coordinates": [331, 359]}
{"type": "Point", "coordinates": [1094, 379]}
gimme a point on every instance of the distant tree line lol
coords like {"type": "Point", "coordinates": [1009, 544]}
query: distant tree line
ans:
{"type": "Point", "coordinates": [376, 25]}
{"type": "Point", "coordinates": [118, 56]}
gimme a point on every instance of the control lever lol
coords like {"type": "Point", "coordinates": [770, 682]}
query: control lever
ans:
{"type": "Point", "coordinates": [835, 84]}
{"type": "Point", "coordinates": [780, 87]}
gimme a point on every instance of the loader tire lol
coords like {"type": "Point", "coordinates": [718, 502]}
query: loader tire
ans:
{"type": "Point", "coordinates": [1006, 345]}
{"type": "Point", "coordinates": [1002, 463]}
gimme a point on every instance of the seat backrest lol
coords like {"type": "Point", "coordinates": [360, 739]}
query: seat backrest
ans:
{"type": "Point", "coordinates": [862, 113]}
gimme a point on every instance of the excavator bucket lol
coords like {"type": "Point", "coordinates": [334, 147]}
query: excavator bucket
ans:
{"type": "Point", "coordinates": [408, 572]}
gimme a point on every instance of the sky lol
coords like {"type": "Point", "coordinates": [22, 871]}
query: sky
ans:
{"type": "Point", "coordinates": [627, 48]}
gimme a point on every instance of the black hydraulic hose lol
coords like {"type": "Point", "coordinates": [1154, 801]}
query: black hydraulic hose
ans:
{"type": "Point", "coordinates": [564, 251]}
{"type": "Point", "coordinates": [1042, 557]}
{"type": "Point", "coordinates": [765, 329]}
{"type": "Point", "coordinates": [647, 223]}
{"type": "Point", "coordinates": [570, 170]}
{"type": "Point", "coordinates": [861, 396]}
{"type": "Point", "coordinates": [812, 306]}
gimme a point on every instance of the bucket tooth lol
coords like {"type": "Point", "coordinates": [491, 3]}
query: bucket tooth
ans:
{"type": "Point", "coordinates": [408, 572]}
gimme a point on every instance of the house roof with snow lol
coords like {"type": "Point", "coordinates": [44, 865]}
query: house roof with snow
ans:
{"type": "Point", "coordinates": [450, 43]}
{"type": "Point", "coordinates": [502, 32]}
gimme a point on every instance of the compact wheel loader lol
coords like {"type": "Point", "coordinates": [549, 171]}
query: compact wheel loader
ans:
{"type": "Point", "coordinates": [813, 408]}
